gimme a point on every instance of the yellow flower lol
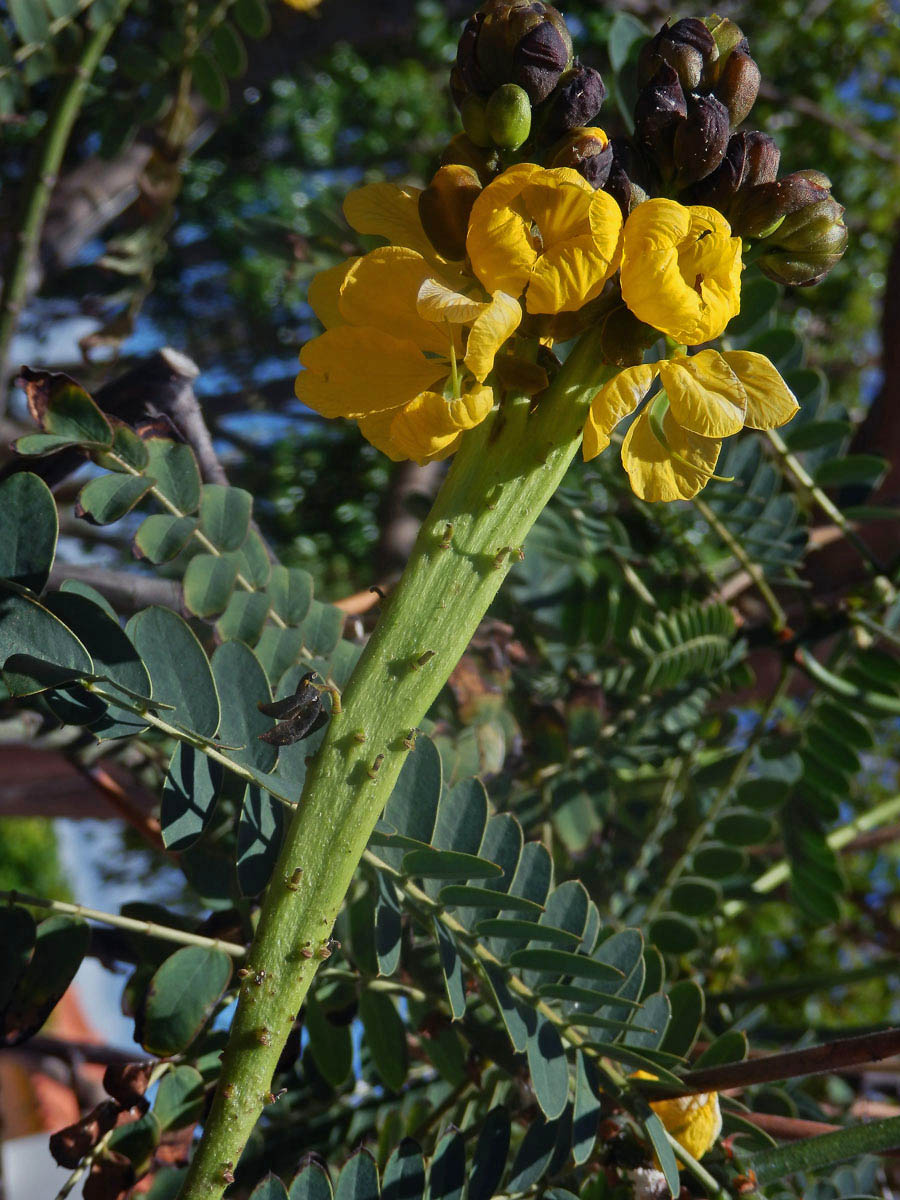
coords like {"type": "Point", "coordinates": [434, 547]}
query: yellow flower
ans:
{"type": "Point", "coordinates": [671, 449]}
{"type": "Point", "coordinates": [398, 334]}
{"type": "Point", "coordinates": [693, 1121]}
{"type": "Point", "coordinates": [547, 233]}
{"type": "Point", "coordinates": [681, 270]}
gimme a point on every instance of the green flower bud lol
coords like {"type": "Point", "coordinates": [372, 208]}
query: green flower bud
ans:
{"type": "Point", "coordinates": [687, 47]}
{"type": "Point", "coordinates": [587, 151]}
{"type": "Point", "coordinates": [508, 117]}
{"type": "Point", "coordinates": [462, 151]}
{"type": "Point", "coordinates": [474, 119]}
{"type": "Point", "coordinates": [807, 243]}
{"type": "Point", "coordinates": [444, 208]}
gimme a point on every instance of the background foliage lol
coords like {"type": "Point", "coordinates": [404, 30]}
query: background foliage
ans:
{"type": "Point", "coordinates": [655, 811]}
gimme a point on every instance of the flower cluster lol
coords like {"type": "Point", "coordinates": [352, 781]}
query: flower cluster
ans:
{"type": "Point", "coordinates": [498, 260]}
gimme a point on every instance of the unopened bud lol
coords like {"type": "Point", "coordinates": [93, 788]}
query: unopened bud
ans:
{"type": "Point", "coordinates": [728, 37]}
{"type": "Point", "coordinates": [508, 117]}
{"type": "Point", "coordinates": [738, 85]}
{"type": "Point", "coordinates": [444, 208]}
{"type": "Point", "coordinates": [472, 111]}
{"type": "Point", "coordinates": [461, 150]}
{"type": "Point", "coordinates": [626, 176]}
{"type": "Point", "coordinates": [751, 158]}
{"type": "Point", "coordinates": [660, 108]}
{"type": "Point", "coordinates": [541, 56]}
{"type": "Point", "coordinates": [687, 47]}
{"type": "Point", "coordinates": [576, 102]}
{"type": "Point", "coordinates": [807, 243]}
{"type": "Point", "coordinates": [760, 210]}
{"type": "Point", "coordinates": [470, 76]}
{"type": "Point", "coordinates": [588, 152]}
{"type": "Point", "coordinates": [700, 139]}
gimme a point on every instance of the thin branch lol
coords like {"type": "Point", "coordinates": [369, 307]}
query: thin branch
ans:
{"type": "Point", "coordinates": [89, 1052]}
{"type": "Point", "coordinates": [792, 1064]}
{"type": "Point", "coordinates": [44, 172]}
{"type": "Point", "coordinates": [752, 568]}
{"type": "Point", "coordinates": [125, 590]}
{"type": "Point", "coordinates": [164, 932]}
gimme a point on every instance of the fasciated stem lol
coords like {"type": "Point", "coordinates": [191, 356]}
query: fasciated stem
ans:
{"type": "Point", "coordinates": [502, 477]}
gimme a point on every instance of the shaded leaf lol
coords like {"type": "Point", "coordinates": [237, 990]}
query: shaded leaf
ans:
{"type": "Point", "coordinates": [310, 1183]}
{"type": "Point", "coordinates": [385, 1037]}
{"type": "Point", "coordinates": [108, 498]}
{"type": "Point", "coordinates": [179, 1098]}
{"type": "Point", "coordinates": [241, 684]}
{"type": "Point", "coordinates": [37, 651]}
{"type": "Point", "coordinates": [181, 997]}
{"type": "Point", "coordinates": [190, 790]}
{"type": "Point", "coordinates": [173, 467]}
{"type": "Point", "coordinates": [447, 1176]}
{"type": "Point", "coordinates": [489, 1159]}
{"type": "Point", "coordinates": [358, 1179]}
{"type": "Point", "coordinates": [28, 530]}
{"type": "Point", "coordinates": [225, 515]}
{"type": "Point", "coordinates": [549, 1068]}
{"type": "Point", "coordinates": [260, 834]}
{"type": "Point", "coordinates": [331, 1045]}
{"type": "Point", "coordinates": [208, 583]}
{"type": "Point", "coordinates": [60, 944]}
{"type": "Point", "coordinates": [161, 537]}
{"type": "Point", "coordinates": [178, 667]}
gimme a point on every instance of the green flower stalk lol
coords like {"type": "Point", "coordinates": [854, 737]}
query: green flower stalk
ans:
{"type": "Point", "coordinates": [503, 475]}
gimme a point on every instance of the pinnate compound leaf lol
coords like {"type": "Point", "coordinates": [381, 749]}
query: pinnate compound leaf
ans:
{"type": "Point", "coordinates": [404, 1175]}
{"type": "Point", "coordinates": [60, 944]}
{"type": "Point", "coordinates": [563, 962]}
{"type": "Point", "coordinates": [28, 530]}
{"type": "Point", "coordinates": [269, 1188]}
{"type": "Point", "coordinates": [728, 1048]}
{"type": "Point", "coordinates": [447, 1175]}
{"type": "Point", "coordinates": [322, 629]}
{"type": "Point", "coordinates": [17, 933]}
{"type": "Point", "coordinates": [388, 927]}
{"type": "Point", "coordinates": [447, 864]}
{"type": "Point", "coordinates": [244, 618]}
{"type": "Point", "coordinates": [179, 1098]}
{"type": "Point", "coordinates": [489, 1159]}
{"type": "Point", "coordinates": [358, 1179]}
{"type": "Point", "coordinates": [208, 583]}
{"type": "Point", "coordinates": [674, 934]}
{"type": "Point", "coordinates": [412, 807]}
{"type": "Point", "coordinates": [451, 966]}
{"type": "Point", "coordinates": [331, 1045]}
{"type": "Point", "coordinates": [588, 1106]}
{"type": "Point", "coordinates": [63, 409]}
{"type": "Point", "coordinates": [37, 651]}
{"type": "Point", "coordinates": [180, 999]}
{"type": "Point", "coordinates": [162, 537]}
{"type": "Point", "coordinates": [189, 795]}
{"type": "Point", "coordinates": [534, 1155]}
{"type": "Point", "coordinates": [656, 1133]}
{"type": "Point", "coordinates": [174, 469]}
{"type": "Point", "coordinates": [385, 1037]}
{"type": "Point", "coordinates": [109, 497]}
{"type": "Point", "coordinates": [688, 1004]}
{"type": "Point", "coordinates": [310, 1183]}
{"type": "Point", "coordinates": [291, 591]}
{"type": "Point", "coordinates": [465, 896]}
{"type": "Point", "coordinates": [225, 515]}
{"type": "Point", "coordinates": [241, 684]}
{"type": "Point", "coordinates": [260, 834]}
{"type": "Point", "coordinates": [549, 1068]}
{"type": "Point", "coordinates": [178, 667]}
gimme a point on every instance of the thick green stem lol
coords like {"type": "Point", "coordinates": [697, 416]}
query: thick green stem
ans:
{"type": "Point", "coordinates": [42, 179]}
{"type": "Point", "coordinates": [504, 474]}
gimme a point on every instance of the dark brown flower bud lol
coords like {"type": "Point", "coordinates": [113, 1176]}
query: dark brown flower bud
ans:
{"type": "Point", "coordinates": [471, 76]}
{"type": "Point", "coordinates": [738, 85]}
{"type": "Point", "coordinates": [660, 109]}
{"type": "Point", "coordinates": [751, 158]}
{"type": "Point", "coordinates": [807, 243]}
{"type": "Point", "coordinates": [700, 139]}
{"type": "Point", "coordinates": [576, 101]}
{"type": "Point", "coordinates": [587, 151]}
{"type": "Point", "coordinates": [728, 38]}
{"type": "Point", "coordinates": [626, 175]}
{"type": "Point", "coordinates": [540, 57]}
{"type": "Point", "coordinates": [687, 47]}
{"type": "Point", "coordinates": [444, 208]}
{"type": "Point", "coordinates": [762, 158]}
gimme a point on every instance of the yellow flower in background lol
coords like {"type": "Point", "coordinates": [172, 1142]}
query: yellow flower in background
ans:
{"type": "Point", "coordinates": [671, 450]}
{"type": "Point", "coordinates": [693, 1121]}
{"type": "Point", "coordinates": [398, 335]}
{"type": "Point", "coordinates": [546, 233]}
{"type": "Point", "coordinates": [681, 270]}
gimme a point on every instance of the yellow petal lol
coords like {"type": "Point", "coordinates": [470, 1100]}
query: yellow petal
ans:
{"type": "Point", "coordinates": [376, 429]}
{"type": "Point", "coordinates": [352, 372]}
{"type": "Point", "coordinates": [770, 402]}
{"type": "Point", "coordinates": [429, 428]}
{"type": "Point", "coordinates": [380, 291]}
{"type": "Point", "coordinates": [694, 1121]}
{"type": "Point", "coordinates": [705, 395]}
{"type": "Point", "coordinates": [389, 211]}
{"type": "Point", "coordinates": [559, 202]}
{"type": "Point", "coordinates": [681, 269]}
{"type": "Point", "coordinates": [500, 244]}
{"type": "Point", "coordinates": [566, 277]}
{"type": "Point", "coordinates": [324, 292]}
{"type": "Point", "coordinates": [437, 302]}
{"type": "Point", "coordinates": [614, 401]}
{"type": "Point", "coordinates": [497, 321]}
{"type": "Point", "coordinates": [677, 473]}
{"type": "Point", "coordinates": [605, 219]}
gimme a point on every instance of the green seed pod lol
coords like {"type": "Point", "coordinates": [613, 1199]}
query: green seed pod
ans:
{"type": "Point", "coordinates": [508, 116]}
{"type": "Point", "coordinates": [474, 119]}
